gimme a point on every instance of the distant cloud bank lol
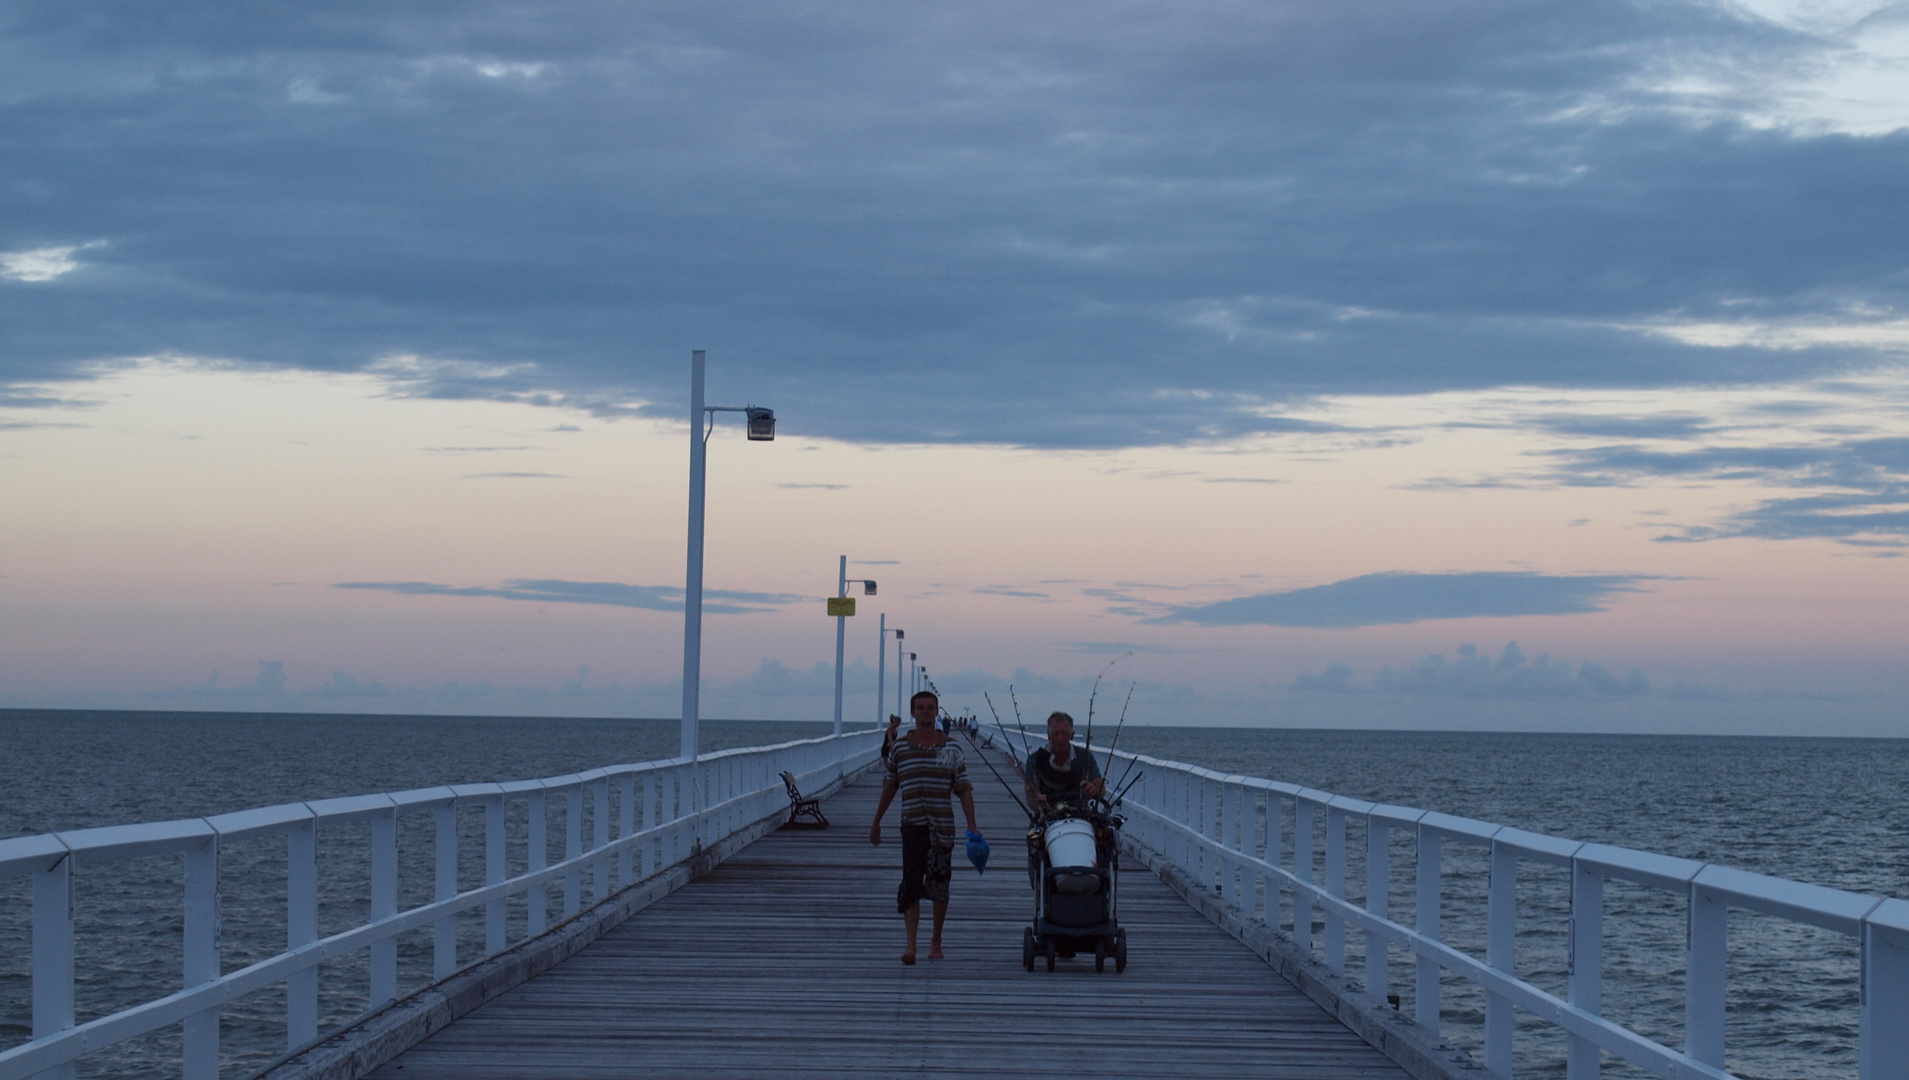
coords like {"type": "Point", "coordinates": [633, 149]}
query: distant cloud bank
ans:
{"type": "Point", "coordinates": [1395, 598]}
{"type": "Point", "coordinates": [1472, 674]}
{"type": "Point", "coordinates": [613, 593]}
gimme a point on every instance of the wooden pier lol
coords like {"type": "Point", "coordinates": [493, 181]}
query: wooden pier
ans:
{"type": "Point", "coordinates": [784, 962]}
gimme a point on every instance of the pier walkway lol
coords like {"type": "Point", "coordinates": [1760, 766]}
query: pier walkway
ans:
{"type": "Point", "coordinates": [784, 961]}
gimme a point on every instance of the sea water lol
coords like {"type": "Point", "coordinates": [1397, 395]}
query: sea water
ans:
{"type": "Point", "coordinates": [1825, 811]}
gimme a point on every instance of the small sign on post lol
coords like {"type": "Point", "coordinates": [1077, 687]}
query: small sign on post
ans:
{"type": "Point", "coordinates": [841, 605]}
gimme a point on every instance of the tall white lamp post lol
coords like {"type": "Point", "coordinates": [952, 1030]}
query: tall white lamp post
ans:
{"type": "Point", "coordinates": [881, 685]}
{"type": "Point", "coordinates": [762, 428]}
{"type": "Point", "coordinates": [881, 679]}
{"type": "Point", "coordinates": [842, 607]}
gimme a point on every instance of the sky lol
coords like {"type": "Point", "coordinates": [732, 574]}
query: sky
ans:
{"type": "Point", "coordinates": [1474, 365]}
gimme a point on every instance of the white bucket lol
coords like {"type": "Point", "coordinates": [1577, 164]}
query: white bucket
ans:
{"type": "Point", "coordinates": [1070, 842]}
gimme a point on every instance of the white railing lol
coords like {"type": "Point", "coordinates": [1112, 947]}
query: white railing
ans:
{"type": "Point", "coordinates": [1225, 833]}
{"type": "Point", "coordinates": [666, 811]}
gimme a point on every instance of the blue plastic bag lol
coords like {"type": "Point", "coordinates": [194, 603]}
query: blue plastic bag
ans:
{"type": "Point", "coordinates": [978, 851]}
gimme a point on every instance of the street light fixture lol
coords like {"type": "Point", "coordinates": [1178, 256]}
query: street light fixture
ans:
{"type": "Point", "coordinates": [762, 423]}
{"type": "Point", "coordinates": [841, 607]}
{"type": "Point", "coordinates": [762, 428]}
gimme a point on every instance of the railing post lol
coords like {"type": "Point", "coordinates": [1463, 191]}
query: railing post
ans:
{"type": "Point", "coordinates": [599, 836]}
{"type": "Point", "coordinates": [1501, 941]}
{"type": "Point", "coordinates": [626, 827]}
{"type": "Point", "coordinates": [1187, 817]}
{"type": "Point", "coordinates": [1585, 967]}
{"type": "Point", "coordinates": [1425, 989]}
{"type": "Point", "coordinates": [537, 901]}
{"type": "Point", "coordinates": [1241, 880]}
{"type": "Point", "coordinates": [1336, 886]}
{"type": "Point", "coordinates": [1275, 854]}
{"type": "Point", "coordinates": [572, 850]}
{"type": "Point", "coordinates": [1884, 1007]}
{"type": "Point", "coordinates": [1203, 829]}
{"type": "Point", "coordinates": [1227, 823]}
{"type": "Point", "coordinates": [444, 931]}
{"type": "Point", "coordinates": [676, 805]}
{"type": "Point", "coordinates": [301, 928]}
{"type": "Point", "coordinates": [1704, 977]}
{"type": "Point", "coordinates": [1302, 869]}
{"type": "Point", "coordinates": [1378, 901]}
{"type": "Point", "coordinates": [53, 956]}
{"type": "Point", "coordinates": [1172, 844]}
{"type": "Point", "coordinates": [494, 937]}
{"type": "Point", "coordinates": [652, 816]}
{"type": "Point", "coordinates": [1258, 806]}
{"type": "Point", "coordinates": [384, 904]}
{"type": "Point", "coordinates": [202, 957]}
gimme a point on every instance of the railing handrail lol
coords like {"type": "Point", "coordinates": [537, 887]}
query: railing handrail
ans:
{"type": "Point", "coordinates": [722, 793]}
{"type": "Point", "coordinates": [23, 854]}
{"type": "Point", "coordinates": [1205, 823]}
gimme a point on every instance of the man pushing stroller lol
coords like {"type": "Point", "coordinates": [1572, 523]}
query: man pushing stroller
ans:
{"type": "Point", "coordinates": [1059, 778]}
{"type": "Point", "coordinates": [1071, 864]}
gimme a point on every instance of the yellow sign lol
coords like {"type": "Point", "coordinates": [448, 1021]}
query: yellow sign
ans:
{"type": "Point", "coordinates": [841, 605]}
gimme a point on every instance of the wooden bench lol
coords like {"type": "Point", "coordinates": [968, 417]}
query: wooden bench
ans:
{"type": "Point", "coordinates": [801, 808]}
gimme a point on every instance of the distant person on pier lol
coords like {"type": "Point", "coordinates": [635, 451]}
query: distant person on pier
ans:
{"type": "Point", "coordinates": [889, 736]}
{"type": "Point", "coordinates": [926, 769]}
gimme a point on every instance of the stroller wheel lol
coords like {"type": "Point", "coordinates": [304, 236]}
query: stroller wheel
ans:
{"type": "Point", "coordinates": [1100, 955]}
{"type": "Point", "coordinates": [1027, 947]}
{"type": "Point", "coordinates": [1050, 954]}
{"type": "Point", "coordinates": [1120, 950]}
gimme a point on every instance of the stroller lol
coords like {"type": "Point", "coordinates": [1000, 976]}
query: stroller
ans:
{"type": "Point", "coordinates": [1076, 905]}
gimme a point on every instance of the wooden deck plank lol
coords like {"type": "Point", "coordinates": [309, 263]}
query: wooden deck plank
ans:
{"type": "Point", "coordinates": [783, 961]}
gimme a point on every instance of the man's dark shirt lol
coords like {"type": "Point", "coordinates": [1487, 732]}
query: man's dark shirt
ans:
{"type": "Point", "coordinates": [1058, 784]}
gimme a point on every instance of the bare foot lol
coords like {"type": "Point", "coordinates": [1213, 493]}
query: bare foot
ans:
{"type": "Point", "coordinates": [934, 953]}
{"type": "Point", "coordinates": [909, 957]}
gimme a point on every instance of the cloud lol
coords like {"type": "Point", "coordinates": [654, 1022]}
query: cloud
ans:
{"type": "Point", "coordinates": [40, 264]}
{"type": "Point", "coordinates": [1394, 598]}
{"type": "Point", "coordinates": [1003, 590]}
{"type": "Point", "coordinates": [1073, 227]}
{"type": "Point", "coordinates": [1660, 426]}
{"type": "Point", "coordinates": [814, 487]}
{"type": "Point", "coordinates": [1112, 648]}
{"type": "Point", "coordinates": [616, 594]}
{"type": "Point", "coordinates": [516, 476]}
{"type": "Point", "coordinates": [1471, 674]}
{"type": "Point", "coordinates": [1861, 487]}
{"type": "Point", "coordinates": [1335, 679]}
{"type": "Point", "coordinates": [33, 397]}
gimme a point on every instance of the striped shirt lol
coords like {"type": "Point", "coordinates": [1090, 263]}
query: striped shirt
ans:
{"type": "Point", "coordinates": [927, 778]}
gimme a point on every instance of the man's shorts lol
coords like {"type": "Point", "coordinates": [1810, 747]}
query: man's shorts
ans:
{"type": "Point", "coordinates": [926, 867]}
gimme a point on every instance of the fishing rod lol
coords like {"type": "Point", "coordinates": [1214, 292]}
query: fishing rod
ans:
{"type": "Point", "coordinates": [1117, 729]}
{"type": "Point", "coordinates": [1123, 791]}
{"type": "Point", "coordinates": [983, 755]}
{"type": "Point", "coordinates": [1026, 740]}
{"type": "Point", "coordinates": [1005, 736]}
{"type": "Point", "coordinates": [1092, 695]}
{"type": "Point", "coordinates": [1012, 764]}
